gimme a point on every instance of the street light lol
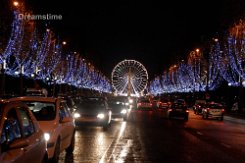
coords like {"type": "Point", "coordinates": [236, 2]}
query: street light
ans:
{"type": "Point", "coordinates": [16, 4]}
{"type": "Point", "coordinates": [192, 59]}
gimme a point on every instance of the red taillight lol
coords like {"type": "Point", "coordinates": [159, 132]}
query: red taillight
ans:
{"type": "Point", "coordinates": [223, 110]}
{"type": "Point", "coordinates": [150, 104]}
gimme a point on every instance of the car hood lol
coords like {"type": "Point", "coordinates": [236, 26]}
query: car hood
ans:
{"type": "Point", "coordinates": [90, 111]}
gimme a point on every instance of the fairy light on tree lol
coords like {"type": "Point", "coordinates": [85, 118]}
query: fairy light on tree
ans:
{"type": "Point", "coordinates": [214, 79]}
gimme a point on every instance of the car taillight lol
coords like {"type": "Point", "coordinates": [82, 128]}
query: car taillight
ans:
{"type": "Point", "coordinates": [223, 110]}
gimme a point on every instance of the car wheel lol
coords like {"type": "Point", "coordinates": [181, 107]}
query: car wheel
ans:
{"type": "Point", "coordinates": [186, 118]}
{"type": "Point", "coordinates": [105, 126]}
{"type": "Point", "coordinates": [55, 157]}
{"type": "Point", "coordinates": [203, 116]}
{"type": "Point", "coordinates": [125, 118]}
{"type": "Point", "coordinates": [45, 158]}
{"type": "Point", "coordinates": [70, 149]}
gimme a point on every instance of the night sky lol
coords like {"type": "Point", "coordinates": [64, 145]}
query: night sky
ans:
{"type": "Point", "coordinates": [157, 34]}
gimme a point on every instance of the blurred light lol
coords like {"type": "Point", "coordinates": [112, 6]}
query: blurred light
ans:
{"type": "Point", "coordinates": [32, 75]}
{"type": "Point", "coordinates": [16, 4]}
{"type": "Point", "coordinates": [197, 50]}
{"type": "Point", "coordinates": [76, 115]}
{"type": "Point", "coordinates": [64, 43]}
{"type": "Point", "coordinates": [46, 136]}
{"type": "Point", "coordinates": [124, 111]}
{"type": "Point", "coordinates": [131, 101]}
{"type": "Point", "coordinates": [101, 116]}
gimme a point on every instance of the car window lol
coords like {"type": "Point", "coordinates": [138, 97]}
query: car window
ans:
{"type": "Point", "coordinates": [43, 111]}
{"type": "Point", "coordinates": [28, 126]}
{"type": "Point", "coordinates": [92, 103]}
{"type": "Point", "coordinates": [11, 128]}
{"type": "Point", "coordinates": [64, 110]}
{"type": "Point", "coordinates": [215, 106]}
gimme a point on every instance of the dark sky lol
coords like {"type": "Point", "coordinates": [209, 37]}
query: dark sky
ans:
{"type": "Point", "coordinates": [158, 34]}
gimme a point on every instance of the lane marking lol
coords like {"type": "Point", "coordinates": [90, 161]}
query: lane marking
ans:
{"type": "Point", "coordinates": [113, 145]}
{"type": "Point", "coordinates": [199, 133]}
{"type": "Point", "coordinates": [225, 145]}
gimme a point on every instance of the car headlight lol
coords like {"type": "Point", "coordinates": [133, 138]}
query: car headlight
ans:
{"type": "Point", "coordinates": [76, 115]}
{"type": "Point", "coordinates": [130, 101]}
{"type": "Point", "coordinates": [124, 111]}
{"type": "Point", "coordinates": [46, 136]}
{"type": "Point", "coordinates": [100, 116]}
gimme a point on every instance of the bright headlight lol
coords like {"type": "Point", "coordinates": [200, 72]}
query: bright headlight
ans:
{"type": "Point", "coordinates": [46, 136]}
{"type": "Point", "coordinates": [124, 111]}
{"type": "Point", "coordinates": [77, 115]}
{"type": "Point", "coordinates": [130, 101]}
{"type": "Point", "coordinates": [100, 116]}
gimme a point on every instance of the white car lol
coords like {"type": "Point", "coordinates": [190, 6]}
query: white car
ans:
{"type": "Point", "coordinates": [55, 120]}
{"type": "Point", "coordinates": [213, 110]}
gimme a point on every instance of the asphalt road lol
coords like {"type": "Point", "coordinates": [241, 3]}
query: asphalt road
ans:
{"type": "Point", "coordinates": [147, 138]}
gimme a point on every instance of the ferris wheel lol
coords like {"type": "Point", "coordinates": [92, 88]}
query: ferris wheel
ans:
{"type": "Point", "coordinates": [129, 77]}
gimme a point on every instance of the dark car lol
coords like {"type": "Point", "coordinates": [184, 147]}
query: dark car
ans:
{"type": "Point", "coordinates": [119, 108]}
{"type": "Point", "coordinates": [178, 109]}
{"type": "Point", "coordinates": [144, 104]}
{"type": "Point", "coordinates": [164, 103]}
{"type": "Point", "coordinates": [199, 105]}
{"type": "Point", "coordinates": [93, 110]}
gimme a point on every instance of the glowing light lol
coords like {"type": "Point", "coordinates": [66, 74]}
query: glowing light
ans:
{"type": "Point", "coordinates": [16, 4]}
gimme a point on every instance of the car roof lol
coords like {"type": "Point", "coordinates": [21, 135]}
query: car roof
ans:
{"type": "Point", "coordinates": [34, 98]}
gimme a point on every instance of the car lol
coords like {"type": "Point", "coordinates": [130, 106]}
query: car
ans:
{"type": "Point", "coordinates": [22, 139]}
{"type": "Point", "coordinates": [144, 104]}
{"type": "Point", "coordinates": [213, 110]}
{"type": "Point", "coordinates": [164, 103]}
{"type": "Point", "coordinates": [178, 109]}
{"type": "Point", "coordinates": [119, 108]}
{"type": "Point", "coordinates": [36, 92]}
{"type": "Point", "coordinates": [93, 110]}
{"type": "Point", "coordinates": [199, 104]}
{"type": "Point", "coordinates": [55, 120]}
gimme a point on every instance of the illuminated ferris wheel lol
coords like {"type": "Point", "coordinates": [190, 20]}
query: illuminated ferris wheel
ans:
{"type": "Point", "coordinates": [129, 77]}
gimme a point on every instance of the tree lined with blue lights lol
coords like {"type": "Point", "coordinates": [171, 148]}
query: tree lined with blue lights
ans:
{"type": "Point", "coordinates": [225, 62]}
{"type": "Point", "coordinates": [28, 54]}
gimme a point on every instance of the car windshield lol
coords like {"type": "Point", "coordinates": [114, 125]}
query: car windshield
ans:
{"type": "Point", "coordinates": [43, 111]}
{"type": "Point", "coordinates": [215, 106]}
{"type": "Point", "coordinates": [92, 103]}
{"type": "Point", "coordinates": [144, 100]}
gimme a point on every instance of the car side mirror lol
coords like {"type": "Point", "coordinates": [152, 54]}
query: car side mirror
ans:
{"type": "Point", "coordinates": [19, 143]}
